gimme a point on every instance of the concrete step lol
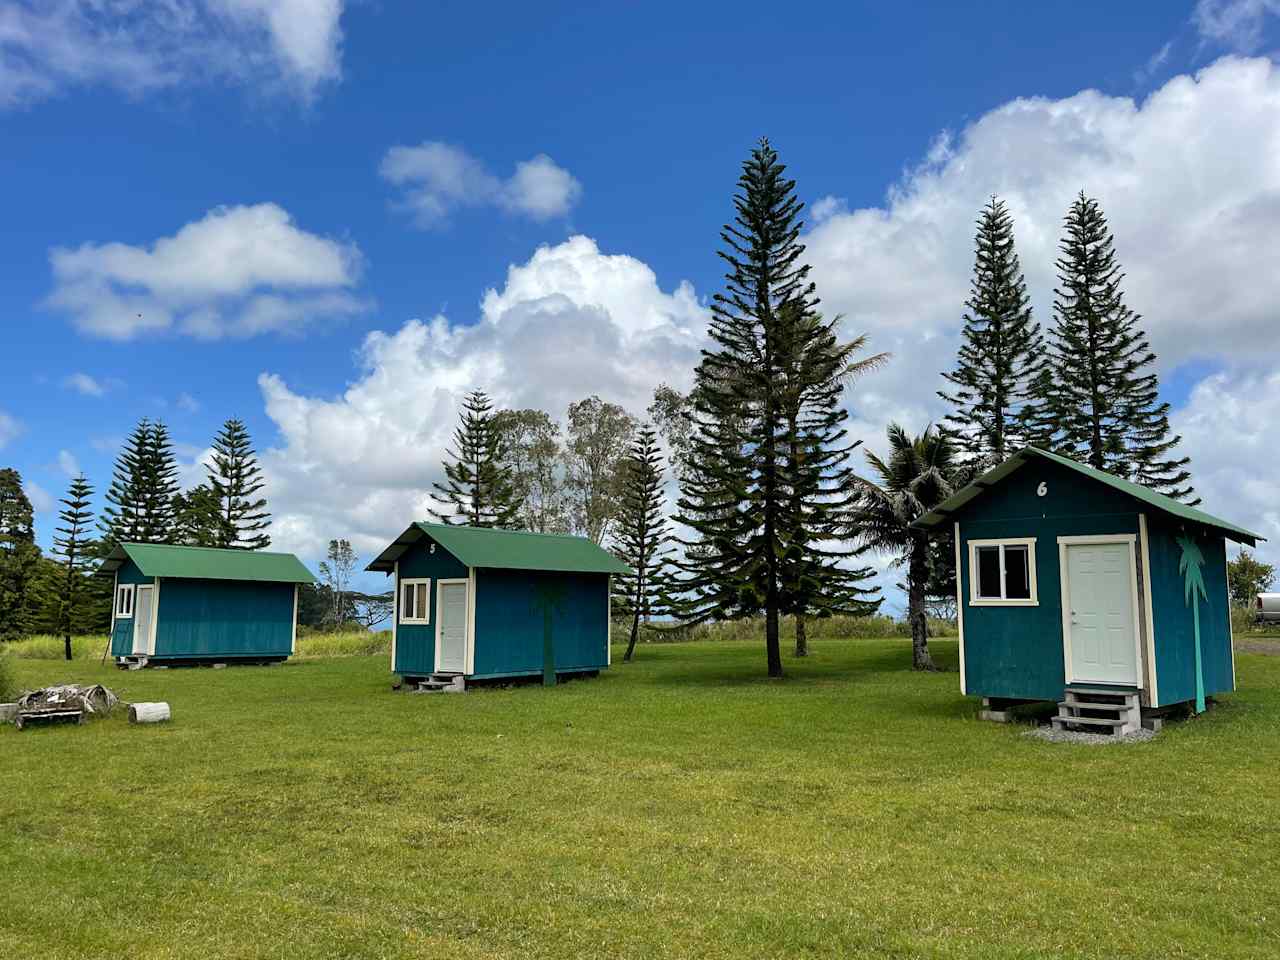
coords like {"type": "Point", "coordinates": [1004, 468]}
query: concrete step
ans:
{"type": "Point", "coordinates": [1087, 721]}
{"type": "Point", "coordinates": [1103, 691]}
{"type": "Point", "coordinates": [1117, 708]}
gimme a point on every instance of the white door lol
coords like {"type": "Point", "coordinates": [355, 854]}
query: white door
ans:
{"type": "Point", "coordinates": [451, 603]}
{"type": "Point", "coordinates": [142, 620]}
{"type": "Point", "coordinates": [1100, 618]}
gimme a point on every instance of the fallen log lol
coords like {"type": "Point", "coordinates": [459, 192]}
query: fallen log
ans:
{"type": "Point", "coordinates": [148, 712]}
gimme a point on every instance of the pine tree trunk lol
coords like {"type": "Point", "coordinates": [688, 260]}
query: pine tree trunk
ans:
{"type": "Point", "coordinates": [635, 632]}
{"type": "Point", "coordinates": [917, 576]}
{"type": "Point", "coordinates": [67, 645]}
{"type": "Point", "coordinates": [802, 640]}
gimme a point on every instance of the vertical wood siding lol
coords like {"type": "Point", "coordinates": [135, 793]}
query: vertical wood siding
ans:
{"type": "Point", "coordinates": [416, 643]}
{"type": "Point", "coordinates": [509, 621]}
{"type": "Point", "coordinates": [122, 632]}
{"type": "Point", "coordinates": [1016, 652]}
{"type": "Point", "coordinates": [224, 618]}
{"type": "Point", "coordinates": [1175, 626]}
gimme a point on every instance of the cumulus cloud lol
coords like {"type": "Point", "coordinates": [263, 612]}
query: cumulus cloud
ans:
{"type": "Point", "coordinates": [1238, 25]}
{"type": "Point", "coordinates": [83, 383]}
{"type": "Point", "coordinates": [9, 428]}
{"type": "Point", "coordinates": [437, 178]}
{"type": "Point", "coordinates": [237, 272]}
{"type": "Point", "coordinates": [68, 463]}
{"type": "Point", "coordinates": [570, 322]}
{"type": "Point", "coordinates": [1187, 178]}
{"type": "Point", "coordinates": [137, 47]}
{"type": "Point", "coordinates": [1229, 425]}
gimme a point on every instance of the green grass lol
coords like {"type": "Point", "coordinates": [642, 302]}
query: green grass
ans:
{"type": "Point", "coordinates": [680, 806]}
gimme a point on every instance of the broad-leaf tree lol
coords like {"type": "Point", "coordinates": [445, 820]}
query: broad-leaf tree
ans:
{"type": "Point", "coordinates": [236, 482]}
{"type": "Point", "coordinates": [71, 543]}
{"type": "Point", "coordinates": [640, 535]}
{"type": "Point", "coordinates": [478, 490]}
{"type": "Point", "coordinates": [917, 476]}
{"type": "Point", "coordinates": [336, 570]}
{"type": "Point", "coordinates": [531, 451]}
{"type": "Point", "coordinates": [1098, 400]}
{"type": "Point", "coordinates": [596, 443]}
{"type": "Point", "coordinates": [1247, 576]}
{"type": "Point", "coordinates": [1001, 353]}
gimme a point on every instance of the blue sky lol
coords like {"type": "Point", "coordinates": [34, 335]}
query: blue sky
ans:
{"type": "Point", "coordinates": [269, 132]}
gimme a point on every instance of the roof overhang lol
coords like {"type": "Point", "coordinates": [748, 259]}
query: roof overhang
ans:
{"type": "Point", "coordinates": [385, 562]}
{"type": "Point", "coordinates": [947, 510]}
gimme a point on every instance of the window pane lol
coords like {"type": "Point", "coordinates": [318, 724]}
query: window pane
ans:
{"type": "Point", "coordinates": [406, 602]}
{"type": "Point", "coordinates": [1017, 580]}
{"type": "Point", "coordinates": [989, 572]}
{"type": "Point", "coordinates": [420, 606]}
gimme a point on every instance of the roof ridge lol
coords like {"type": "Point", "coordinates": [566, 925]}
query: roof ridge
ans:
{"type": "Point", "coordinates": [192, 546]}
{"type": "Point", "coordinates": [523, 533]}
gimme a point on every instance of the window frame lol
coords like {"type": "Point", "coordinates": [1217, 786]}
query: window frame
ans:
{"type": "Point", "coordinates": [125, 590]}
{"type": "Point", "coordinates": [1003, 601]}
{"type": "Point", "coordinates": [423, 583]}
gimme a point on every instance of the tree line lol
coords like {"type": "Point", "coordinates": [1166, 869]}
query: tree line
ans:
{"type": "Point", "coordinates": [58, 593]}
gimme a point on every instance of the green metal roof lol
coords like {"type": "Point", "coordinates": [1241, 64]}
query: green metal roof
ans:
{"type": "Point", "coordinates": [945, 510]}
{"type": "Point", "coordinates": [207, 563]}
{"type": "Point", "coordinates": [505, 550]}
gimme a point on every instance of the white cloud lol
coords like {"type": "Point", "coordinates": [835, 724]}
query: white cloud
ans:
{"type": "Point", "coordinates": [9, 428]}
{"type": "Point", "coordinates": [237, 272]}
{"type": "Point", "coordinates": [68, 463]}
{"type": "Point", "coordinates": [1228, 425]}
{"type": "Point", "coordinates": [41, 500]}
{"type": "Point", "coordinates": [138, 47]}
{"type": "Point", "coordinates": [570, 322]}
{"type": "Point", "coordinates": [83, 383]}
{"type": "Point", "coordinates": [1238, 25]}
{"type": "Point", "coordinates": [1187, 178]}
{"type": "Point", "coordinates": [188, 403]}
{"type": "Point", "coordinates": [438, 178]}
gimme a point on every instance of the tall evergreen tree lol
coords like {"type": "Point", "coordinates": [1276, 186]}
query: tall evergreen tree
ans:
{"type": "Point", "coordinates": [72, 544]}
{"type": "Point", "coordinates": [198, 517]}
{"type": "Point", "coordinates": [640, 535]}
{"type": "Point", "coordinates": [1099, 399]}
{"type": "Point", "coordinates": [820, 483]}
{"type": "Point", "coordinates": [997, 370]}
{"type": "Point", "coordinates": [235, 481]}
{"type": "Point", "coordinates": [141, 503]}
{"type": "Point", "coordinates": [479, 487]}
{"type": "Point", "coordinates": [160, 486]}
{"type": "Point", "coordinates": [123, 518]}
{"type": "Point", "coordinates": [737, 493]}
{"type": "Point", "coordinates": [19, 558]}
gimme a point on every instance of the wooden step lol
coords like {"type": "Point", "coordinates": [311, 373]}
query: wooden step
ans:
{"type": "Point", "coordinates": [1087, 721]}
{"type": "Point", "coordinates": [1103, 691]}
{"type": "Point", "coordinates": [1117, 708]}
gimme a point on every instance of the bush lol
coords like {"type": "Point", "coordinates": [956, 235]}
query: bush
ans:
{"type": "Point", "coordinates": [752, 628]}
{"type": "Point", "coordinates": [356, 642]}
{"type": "Point", "coordinates": [46, 647]}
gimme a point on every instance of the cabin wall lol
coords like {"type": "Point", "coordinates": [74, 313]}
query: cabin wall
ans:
{"type": "Point", "coordinates": [509, 621]}
{"type": "Point", "coordinates": [1016, 652]}
{"type": "Point", "coordinates": [1174, 619]}
{"type": "Point", "coordinates": [415, 647]}
{"type": "Point", "coordinates": [122, 627]}
{"type": "Point", "coordinates": [224, 618]}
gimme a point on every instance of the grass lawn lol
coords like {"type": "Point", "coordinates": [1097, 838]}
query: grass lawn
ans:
{"type": "Point", "coordinates": [681, 806]}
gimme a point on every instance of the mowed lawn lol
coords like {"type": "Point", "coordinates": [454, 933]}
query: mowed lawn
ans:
{"type": "Point", "coordinates": [680, 806]}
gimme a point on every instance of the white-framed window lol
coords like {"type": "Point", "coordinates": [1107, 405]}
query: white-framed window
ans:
{"type": "Point", "coordinates": [415, 600]}
{"type": "Point", "coordinates": [1002, 573]}
{"type": "Point", "coordinates": [124, 600]}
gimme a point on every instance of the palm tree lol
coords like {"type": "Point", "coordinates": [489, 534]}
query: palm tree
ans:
{"type": "Point", "coordinates": [919, 475]}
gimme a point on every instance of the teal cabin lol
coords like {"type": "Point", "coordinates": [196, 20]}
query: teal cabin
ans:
{"type": "Point", "coordinates": [190, 605]}
{"type": "Point", "coordinates": [1070, 578]}
{"type": "Point", "coordinates": [486, 604]}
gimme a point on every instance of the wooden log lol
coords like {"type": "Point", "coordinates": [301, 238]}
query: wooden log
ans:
{"type": "Point", "coordinates": [148, 712]}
